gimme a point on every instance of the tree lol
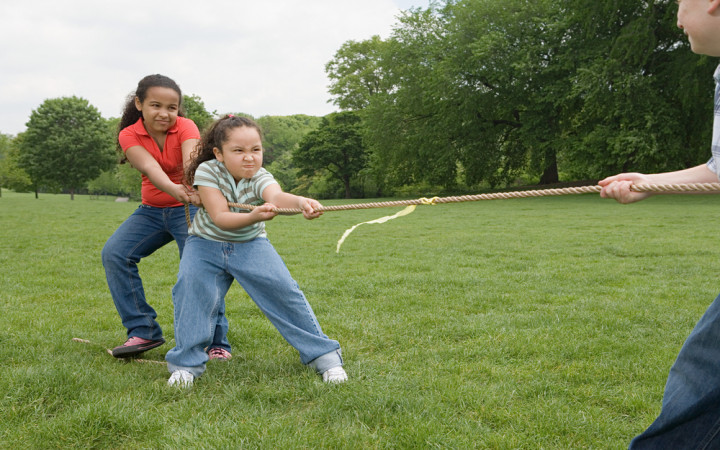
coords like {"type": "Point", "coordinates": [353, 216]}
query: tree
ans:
{"type": "Point", "coordinates": [356, 73]}
{"type": "Point", "coordinates": [281, 134]}
{"type": "Point", "coordinates": [66, 144]}
{"type": "Point", "coordinates": [643, 93]}
{"type": "Point", "coordinates": [195, 110]}
{"type": "Point", "coordinates": [336, 146]}
{"type": "Point", "coordinates": [11, 176]}
{"type": "Point", "coordinates": [489, 91]}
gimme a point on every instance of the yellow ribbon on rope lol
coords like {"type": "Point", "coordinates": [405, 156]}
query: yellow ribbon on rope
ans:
{"type": "Point", "coordinates": [404, 212]}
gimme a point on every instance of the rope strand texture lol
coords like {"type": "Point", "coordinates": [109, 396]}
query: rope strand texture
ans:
{"type": "Point", "coordinates": [657, 188]}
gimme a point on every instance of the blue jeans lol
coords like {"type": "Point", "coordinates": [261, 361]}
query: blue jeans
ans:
{"type": "Point", "coordinates": [690, 415]}
{"type": "Point", "coordinates": [207, 270]}
{"type": "Point", "coordinates": [146, 230]}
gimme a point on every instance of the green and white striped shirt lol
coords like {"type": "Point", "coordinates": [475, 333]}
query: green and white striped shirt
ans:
{"type": "Point", "coordinates": [214, 174]}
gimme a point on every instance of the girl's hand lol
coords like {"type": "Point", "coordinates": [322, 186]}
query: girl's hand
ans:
{"type": "Point", "coordinates": [194, 196]}
{"type": "Point", "coordinates": [179, 193]}
{"type": "Point", "coordinates": [310, 208]}
{"type": "Point", "coordinates": [263, 212]}
{"type": "Point", "coordinates": [618, 187]}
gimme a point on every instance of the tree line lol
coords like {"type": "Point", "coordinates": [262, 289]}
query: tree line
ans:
{"type": "Point", "coordinates": [490, 92]}
{"type": "Point", "coordinates": [69, 147]}
{"type": "Point", "coordinates": [462, 96]}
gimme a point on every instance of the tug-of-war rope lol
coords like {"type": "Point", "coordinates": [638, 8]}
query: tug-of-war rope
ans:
{"type": "Point", "coordinates": [660, 188]}
{"type": "Point", "coordinates": [411, 204]}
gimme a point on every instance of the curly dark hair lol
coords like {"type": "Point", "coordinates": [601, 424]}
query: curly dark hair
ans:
{"type": "Point", "coordinates": [131, 114]}
{"type": "Point", "coordinates": [214, 137]}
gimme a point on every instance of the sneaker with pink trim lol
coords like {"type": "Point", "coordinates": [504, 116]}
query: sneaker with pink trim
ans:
{"type": "Point", "coordinates": [219, 353]}
{"type": "Point", "coordinates": [136, 345]}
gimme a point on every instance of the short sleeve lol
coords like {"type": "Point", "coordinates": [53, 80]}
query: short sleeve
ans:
{"type": "Point", "coordinates": [187, 129]}
{"type": "Point", "coordinates": [262, 180]}
{"type": "Point", "coordinates": [205, 176]}
{"type": "Point", "coordinates": [127, 138]}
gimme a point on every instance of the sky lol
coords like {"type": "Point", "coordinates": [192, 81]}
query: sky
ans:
{"type": "Point", "coordinates": [265, 57]}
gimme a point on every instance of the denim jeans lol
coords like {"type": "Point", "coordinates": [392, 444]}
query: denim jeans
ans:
{"type": "Point", "coordinates": [207, 270]}
{"type": "Point", "coordinates": [146, 230]}
{"type": "Point", "coordinates": [690, 414]}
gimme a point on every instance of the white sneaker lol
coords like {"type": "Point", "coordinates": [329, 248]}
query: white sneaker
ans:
{"type": "Point", "coordinates": [335, 375]}
{"type": "Point", "coordinates": [181, 378]}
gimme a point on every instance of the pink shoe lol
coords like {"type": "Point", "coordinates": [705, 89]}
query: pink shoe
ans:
{"type": "Point", "coordinates": [219, 353]}
{"type": "Point", "coordinates": [134, 346]}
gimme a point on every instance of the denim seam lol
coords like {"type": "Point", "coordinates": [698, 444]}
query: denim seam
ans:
{"type": "Point", "coordinates": [133, 288]}
{"type": "Point", "coordinates": [707, 441]}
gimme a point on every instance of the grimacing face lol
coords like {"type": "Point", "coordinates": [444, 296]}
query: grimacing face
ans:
{"type": "Point", "coordinates": [242, 152]}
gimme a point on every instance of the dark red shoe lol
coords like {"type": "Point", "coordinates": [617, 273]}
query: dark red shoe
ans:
{"type": "Point", "coordinates": [134, 346]}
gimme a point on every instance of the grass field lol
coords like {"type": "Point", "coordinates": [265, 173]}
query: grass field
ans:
{"type": "Point", "coordinates": [530, 323]}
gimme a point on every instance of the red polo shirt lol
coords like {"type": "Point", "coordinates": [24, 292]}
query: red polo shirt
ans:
{"type": "Point", "coordinates": [170, 158]}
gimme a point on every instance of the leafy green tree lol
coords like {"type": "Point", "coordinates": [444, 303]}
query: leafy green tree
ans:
{"type": "Point", "coordinates": [66, 144]}
{"type": "Point", "coordinates": [356, 73]}
{"type": "Point", "coordinates": [488, 90]}
{"type": "Point", "coordinates": [11, 176]}
{"type": "Point", "coordinates": [195, 110]}
{"type": "Point", "coordinates": [406, 123]}
{"type": "Point", "coordinates": [129, 181]}
{"type": "Point", "coordinates": [336, 146]}
{"type": "Point", "coordinates": [283, 133]}
{"type": "Point", "coordinates": [643, 93]}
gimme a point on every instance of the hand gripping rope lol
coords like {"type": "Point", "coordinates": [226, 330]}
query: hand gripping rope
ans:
{"type": "Point", "coordinates": [411, 204]}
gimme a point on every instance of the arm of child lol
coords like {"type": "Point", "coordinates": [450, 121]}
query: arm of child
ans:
{"type": "Point", "coordinates": [274, 194]}
{"type": "Point", "coordinates": [216, 206]}
{"type": "Point", "coordinates": [618, 186]}
{"type": "Point", "coordinates": [187, 148]}
{"type": "Point", "coordinates": [143, 161]}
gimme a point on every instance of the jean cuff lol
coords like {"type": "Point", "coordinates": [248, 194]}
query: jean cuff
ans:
{"type": "Point", "coordinates": [196, 371]}
{"type": "Point", "coordinates": [327, 361]}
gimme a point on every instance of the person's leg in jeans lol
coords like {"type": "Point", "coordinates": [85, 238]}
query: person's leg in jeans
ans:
{"type": "Point", "coordinates": [264, 276]}
{"type": "Point", "coordinates": [197, 296]}
{"type": "Point", "coordinates": [139, 236]}
{"type": "Point", "coordinates": [690, 415]}
{"type": "Point", "coordinates": [178, 227]}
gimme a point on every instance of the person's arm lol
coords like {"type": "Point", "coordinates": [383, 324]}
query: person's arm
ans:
{"type": "Point", "coordinates": [143, 161]}
{"type": "Point", "coordinates": [618, 186]}
{"type": "Point", "coordinates": [275, 195]}
{"type": "Point", "coordinates": [216, 206]}
{"type": "Point", "coordinates": [187, 148]}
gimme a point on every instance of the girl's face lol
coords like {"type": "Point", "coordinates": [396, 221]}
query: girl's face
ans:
{"type": "Point", "coordinates": [700, 20]}
{"type": "Point", "coordinates": [242, 152]}
{"type": "Point", "coordinates": [159, 110]}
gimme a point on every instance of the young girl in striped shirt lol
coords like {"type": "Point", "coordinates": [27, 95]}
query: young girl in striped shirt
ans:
{"type": "Point", "coordinates": [227, 244]}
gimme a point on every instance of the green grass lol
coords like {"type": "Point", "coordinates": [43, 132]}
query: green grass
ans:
{"type": "Point", "coordinates": [529, 323]}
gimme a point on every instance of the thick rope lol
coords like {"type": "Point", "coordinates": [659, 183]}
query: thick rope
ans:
{"type": "Point", "coordinates": [657, 188]}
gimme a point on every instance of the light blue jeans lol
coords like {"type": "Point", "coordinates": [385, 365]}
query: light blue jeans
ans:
{"type": "Point", "coordinates": [145, 231]}
{"type": "Point", "coordinates": [690, 414]}
{"type": "Point", "coordinates": [207, 270]}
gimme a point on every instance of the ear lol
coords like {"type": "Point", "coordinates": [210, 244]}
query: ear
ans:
{"type": "Point", "coordinates": [219, 155]}
{"type": "Point", "coordinates": [714, 6]}
{"type": "Point", "coordinates": [138, 104]}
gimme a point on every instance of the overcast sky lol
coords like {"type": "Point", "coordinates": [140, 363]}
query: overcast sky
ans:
{"type": "Point", "coordinates": [265, 57]}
